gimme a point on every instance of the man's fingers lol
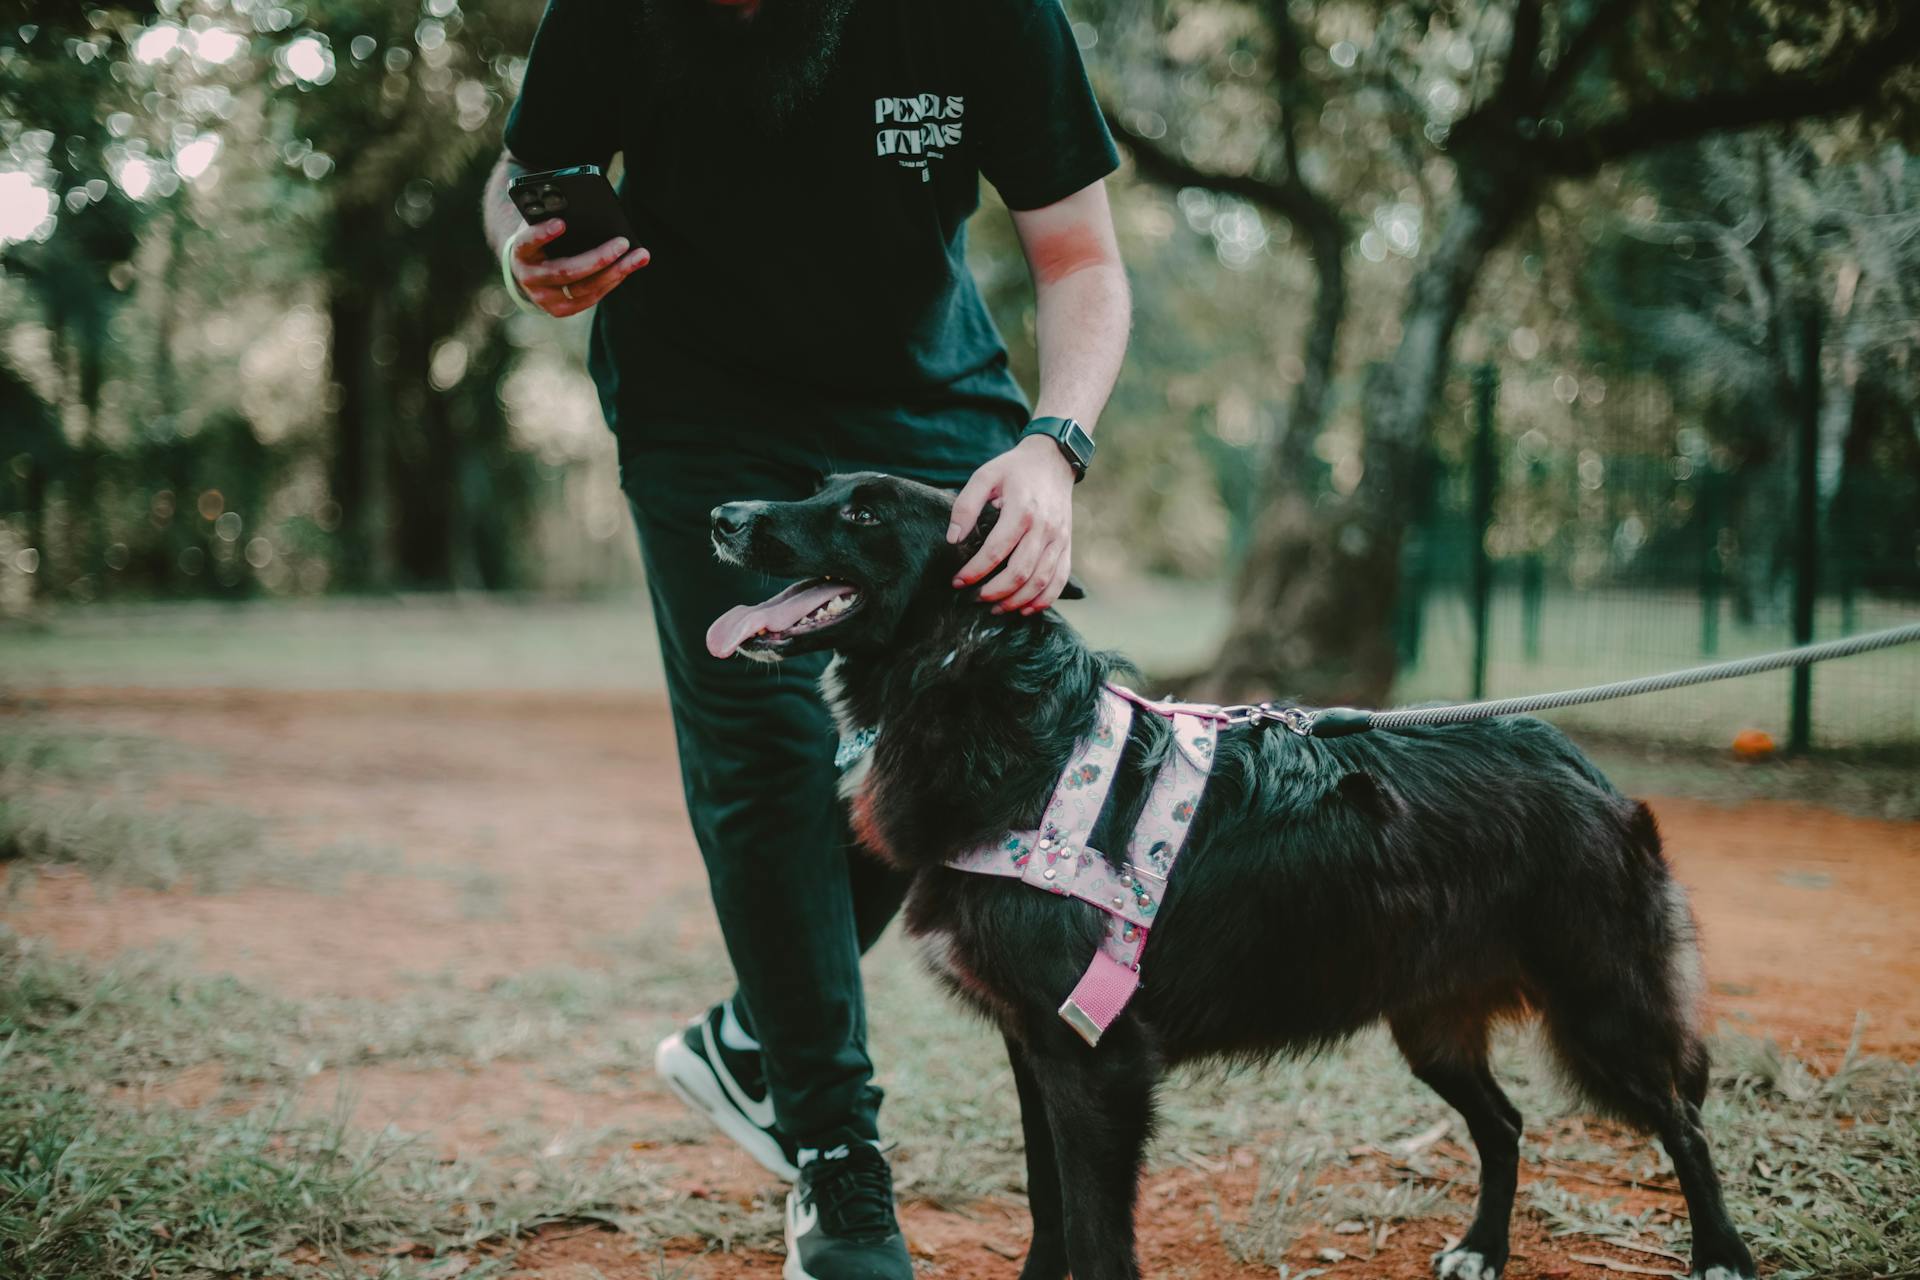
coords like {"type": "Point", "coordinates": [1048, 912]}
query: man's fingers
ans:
{"type": "Point", "coordinates": [551, 301]}
{"type": "Point", "coordinates": [1056, 581]}
{"type": "Point", "coordinates": [528, 249]}
{"type": "Point", "coordinates": [971, 502]}
{"type": "Point", "coordinates": [589, 291]}
{"type": "Point", "coordinates": [557, 304]}
{"type": "Point", "coordinates": [1043, 585]}
{"type": "Point", "coordinates": [1021, 601]}
{"type": "Point", "coordinates": [1025, 557]}
{"type": "Point", "coordinates": [1005, 536]}
{"type": "Point", "coordinates": [569, 271]}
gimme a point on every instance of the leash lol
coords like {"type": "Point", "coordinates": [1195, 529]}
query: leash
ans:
{"type": "Point", "coordinates": [1338, 722]}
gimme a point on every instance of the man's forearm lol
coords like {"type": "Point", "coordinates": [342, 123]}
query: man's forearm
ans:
{"type": "Point", "coordinates": [1081, 322]}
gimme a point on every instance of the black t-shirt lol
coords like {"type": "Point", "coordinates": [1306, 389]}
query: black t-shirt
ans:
{"type": "Point", "coordinates": [813, 284]}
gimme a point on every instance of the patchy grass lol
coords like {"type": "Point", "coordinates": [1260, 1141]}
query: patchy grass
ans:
{"type": "Point", "coordinates": [81, 798]}
{"type": "Point", "coordinates": [91, 800]}
{"type": "Point", "coordinates": [1822, 1169]}
{"type": "Point", "coordinates": [1297, 1194]}
{"type": "Point", "coordinates": [30, 749]}
{"type": "Point", "coordinates": [91, 1185]}
{"type": "Point", "coordinates": [120, 838]}
{"type": "Point", "coordinates": [1826, 1168]}
{"type": "Point", "coordinates": [1870, 782]}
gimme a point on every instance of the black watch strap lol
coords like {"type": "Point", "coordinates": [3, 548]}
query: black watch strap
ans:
{"type": "Point", "coordinates": [1076, 446]}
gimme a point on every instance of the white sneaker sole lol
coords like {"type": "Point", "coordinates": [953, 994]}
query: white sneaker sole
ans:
{"type": "Point", "coordinates": [791, 1268]}
{"type": "Point", "coordinates": [693, 1082]}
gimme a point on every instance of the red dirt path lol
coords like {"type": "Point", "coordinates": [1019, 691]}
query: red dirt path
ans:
{"type": "Point", "coordinates": [573, 804]}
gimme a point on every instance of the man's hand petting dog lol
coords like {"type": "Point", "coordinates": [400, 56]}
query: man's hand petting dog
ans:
{"type": "Point", "coordinates": [1032, 484]}
{"type": "Point", "coordinates": [564, 287]}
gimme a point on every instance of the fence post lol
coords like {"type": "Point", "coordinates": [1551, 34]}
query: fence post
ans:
{"type": "Point", "coordinates": [1711, 490]}
{"type": "Point", "coordinates": [1533, 570]}
{"type": "Point", "coordinates": [1806, 550]}
{"type": "Point", "coordinates": [1486, 385]}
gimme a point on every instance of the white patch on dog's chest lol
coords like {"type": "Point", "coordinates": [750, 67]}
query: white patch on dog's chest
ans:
{"type": "Point", "coordinates": [854, 777]}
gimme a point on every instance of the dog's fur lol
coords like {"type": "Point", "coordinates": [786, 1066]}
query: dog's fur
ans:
{"type": "Point", "coordinates": [1438, 879]}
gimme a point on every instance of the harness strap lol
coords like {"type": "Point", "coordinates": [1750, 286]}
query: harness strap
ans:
{"type": "Point", "coordinates": [1052, 856]}
{"type": "Point", "coordinates": [1059, 857]}
{"type": "Point", "coordinates": [1137, 891]}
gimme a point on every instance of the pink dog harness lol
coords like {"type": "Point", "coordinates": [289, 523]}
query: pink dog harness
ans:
{"type": "Point", "coordinates": [1060, 858]}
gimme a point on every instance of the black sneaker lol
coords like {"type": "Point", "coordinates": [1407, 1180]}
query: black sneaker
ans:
{"type": "Point", "coordinates": [840, 1223]}
{"type": "Point", "coordinates": [726, 1085]}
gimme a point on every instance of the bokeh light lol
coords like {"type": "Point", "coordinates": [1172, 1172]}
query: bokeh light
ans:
{"type": "Point", "coordinates": [135, 176]}
{"type": "Point", "coordinates": [191, 160]}
{"type": "Point", "coordinates": [217, 45]}
{"type": "Point", "coordinates": [156, 42]}
{"type": "Point", "coordinates": [309, 60]}
{"type": "Point", "coordinates": [26, 208]}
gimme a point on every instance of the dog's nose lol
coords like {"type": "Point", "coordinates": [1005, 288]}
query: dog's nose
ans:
{"type": "Point", "coordinates": [733, 517]}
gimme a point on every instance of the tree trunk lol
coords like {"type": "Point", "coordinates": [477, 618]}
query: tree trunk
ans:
{"type": "Point", "coordinates": [358, 477]}
{"type": "Point", "coordinates": [1317, 592]}
{"type": "Point", "coordinates": [1284, 511]}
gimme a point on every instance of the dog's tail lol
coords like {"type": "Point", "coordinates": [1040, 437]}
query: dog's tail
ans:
{"type": "Point", "coordinates": [1626, 1023]}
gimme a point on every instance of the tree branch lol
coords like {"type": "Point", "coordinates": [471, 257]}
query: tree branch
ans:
{"type": "Point", "coordinates": [1840, 86]}
{"type": "Point", "coordinates": [1512, 94]}
{"type": "Point", "coordinates": [1607, 20]}
{"type": "Point", "coordinates": [1523, 56]}
{"type": "Point", "coordinates": [1288, 198]}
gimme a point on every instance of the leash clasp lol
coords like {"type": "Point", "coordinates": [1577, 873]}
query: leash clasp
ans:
{"type": "Point", "coordinates": [1298, 720]}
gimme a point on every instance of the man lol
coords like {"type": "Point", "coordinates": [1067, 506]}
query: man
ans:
{"type": "Point", "coordinates": [799, 174]}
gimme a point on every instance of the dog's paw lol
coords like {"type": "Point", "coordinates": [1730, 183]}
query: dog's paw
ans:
{"type": "Point", "coordinates": [1722, 1273]}
{"type": "Point", "coordinates": [1465, 1264]}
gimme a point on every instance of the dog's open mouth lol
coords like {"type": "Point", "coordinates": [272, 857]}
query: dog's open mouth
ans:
{"type": "Point", "coordinates": [764, 627]}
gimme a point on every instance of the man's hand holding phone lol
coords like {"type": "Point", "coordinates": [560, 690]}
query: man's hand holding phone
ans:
{"type": "Point", "coordinates": [568, 286]}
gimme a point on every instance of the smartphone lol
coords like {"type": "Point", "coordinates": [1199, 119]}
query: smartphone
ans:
{"type": "Point", "coordinates": [582, 197]}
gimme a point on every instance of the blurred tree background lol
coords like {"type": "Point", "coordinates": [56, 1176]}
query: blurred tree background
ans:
{"type": "Point", "coordinates": [254, 345]}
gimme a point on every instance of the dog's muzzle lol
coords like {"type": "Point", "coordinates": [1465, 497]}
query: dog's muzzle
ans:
{"type": "Point", "coordinates": [731, 526]}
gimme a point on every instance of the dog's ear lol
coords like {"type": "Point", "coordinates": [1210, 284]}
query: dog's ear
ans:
{"type": "Point", "coordinates": [970, 545]}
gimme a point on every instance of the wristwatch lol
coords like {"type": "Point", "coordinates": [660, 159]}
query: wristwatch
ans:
{"type": "Point", "coordinates": [1075, 444]}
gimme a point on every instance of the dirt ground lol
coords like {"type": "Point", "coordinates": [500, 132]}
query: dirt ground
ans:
{"type": "Point", "coordinates": [567, 807]}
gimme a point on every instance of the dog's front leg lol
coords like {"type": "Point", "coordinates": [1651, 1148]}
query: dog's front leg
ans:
{"type": "Point", "coordinates": [1099, 1109]}
{"type": "Point", "coordinates": [1047, 1254]}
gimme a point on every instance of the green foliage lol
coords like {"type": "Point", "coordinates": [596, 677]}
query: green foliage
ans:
{"type": "Point", "coordinates": [203, 157]}
{"type": "Point", "coordinates": [264, 231]}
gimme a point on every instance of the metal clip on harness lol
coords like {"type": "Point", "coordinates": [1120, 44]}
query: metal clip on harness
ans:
{"type": "Point", "coordinates": [1327, 722]}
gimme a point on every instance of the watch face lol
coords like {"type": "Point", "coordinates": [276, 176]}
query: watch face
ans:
{"type": "Point", "coordinates": [1080, 442]}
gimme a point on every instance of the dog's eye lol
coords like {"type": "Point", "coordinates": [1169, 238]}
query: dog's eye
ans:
{"type": "Point", "coordinates": [858, 514]}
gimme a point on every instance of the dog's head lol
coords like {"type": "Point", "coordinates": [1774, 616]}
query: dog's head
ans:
{"type": "Point", "coordinates": [869, 550]}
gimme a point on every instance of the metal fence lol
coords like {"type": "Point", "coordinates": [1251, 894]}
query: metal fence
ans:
{"type": "Point", "coordinates": [1563, 542]}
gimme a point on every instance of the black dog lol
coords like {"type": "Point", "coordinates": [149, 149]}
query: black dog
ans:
{"type": "Point", "coordinates": [1438, 879]}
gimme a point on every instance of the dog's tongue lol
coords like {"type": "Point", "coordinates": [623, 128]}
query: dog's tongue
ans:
{"type": "Point", "coordinates": [744, 621]}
